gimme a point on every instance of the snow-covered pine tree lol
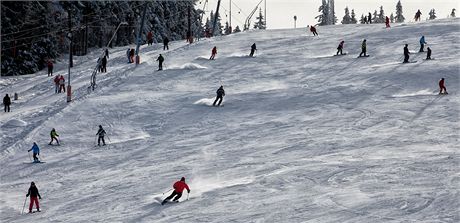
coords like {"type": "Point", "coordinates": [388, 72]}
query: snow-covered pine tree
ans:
{"type": "Point", "coordinates": [381, 15]}
{"type": "Point", "coordinates": [353, 17]}
{"type": "Point", "coordinates": [432, 14]}
{"type": "Point", "coordinates": [227, 29]}
{"type": "Point", "coordinates": [362, 19]}
{"type": "Point", "coordinates": [323, 17]}
{"type": "Point", "coordinates": [346, 18]}
{"type": "Point", "coordinates": [332, 18]}
{"type": "Point", "coordinates": [452, 14]}
{"type": "Point", "coordinates": [399, 13]}
{"type": "Point", "coordinates": [392, 18]}
{"type": "Point", "coordinates": [237, 29]}
{"type": "Point", "coordinates": [260, 23]}
{"type": "Point", "coordinates": [375, 18]}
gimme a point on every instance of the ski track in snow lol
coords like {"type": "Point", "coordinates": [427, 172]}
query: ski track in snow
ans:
{"type": "Point", "coordinates": [304, 136]}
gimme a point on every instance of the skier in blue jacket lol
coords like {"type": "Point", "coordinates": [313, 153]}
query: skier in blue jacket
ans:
{"type": "Point", "coordinates": [422, 43]}
{"type": "Point", "coordinates": [36, 152]}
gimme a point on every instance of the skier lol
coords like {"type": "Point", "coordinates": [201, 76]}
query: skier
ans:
{"type": "Point", "coordinates": [363, 48]}
{"type": "Point", "coordinates": [101, 133]}
{"type": "Point", "coordinates": [33, 192]}
{"type": "Point", "coordinates": [387, 22]}
{"type": "Point", "coordinates": [7, 103]}
{"type": "Point", "coordinates": [340, 48]}
{"type": "Point", "coordinates": [127, 55]}
{"type": "Point", "coordinates": [417, 15]}
{"type": "Point", "coordinates": [213, 53]}
{"type": "Point", "coordinates": [369, 18]}
{"type": "Point", "coordinates": [220, 96]}
{"type": "Point", "coordinates": [406, 54]}
{"type": "Point", "coordinates": [422, 43]}
{"type": "Point", "coordinates": [428, 53]}
{"type": "Point", "coordinates": [160, 60]}
{"type": "Point", "coordinates": [179, 187]}
{"type": "Point", "coordinates": [442, 87]}
{"type": "Point", "coordinates": [99, 65]}
{"type": "Point", "coordinates": [313, 30]}
{"type": "Point", "coordinates": [131, 55]}
{"type": "Point", "coordinates": [149, 38]}
{"type": "Point", "coordinates": [50, 68]}
{"type": "Point", "coordinates": [165, 43]}
{"type": "Point", "coordinates": [253, 49]}
{"type": "Point", "coordinates": [104, 65]}
{"type": "Point", "coordinates": [61, 84]}
{"type": "Point", "coordinates": [36, 151]}
{"type": "Point", "coordinates": [54, 136]}
{"type": "Point", "coordinates": [107, 52]}
{"type": "Point", "coordinates": [56, 84]}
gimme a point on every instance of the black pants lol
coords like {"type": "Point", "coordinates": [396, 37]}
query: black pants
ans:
{"type": "Point", "coordinates": [174, 193]}
{"type": "Point", "coordinates": [150, 42]}
{"type": "Point", "coordinates": [7, 108]}
{"type": "Point", "coordinates": [99, 140]}
{"type": "Point", "coordinates": [54, 138]}
{"type": "Point", "coordinates": [315, 33]}
{"type": "Point", "coordinates": [252, 53]}
{"type": "Point", "coordinates": [166, 47]}
{"type": "Point", "coordinates": [104, 68]}
{"type": "Point", "coordinates": [422, 47]}
{"type": "Point", "coordinates": [217, 98]}
{"type": "Point", "coordinates": [160, 65]}
{"type": "Point", "coordinates": [35, 157]}
{"type": "Point", "coordinates": [339, 50]}
{"type": "Point", "coordinates": [406, 58]}
{"type": "Point", "coordinates": [363, 52]}
{"type": "Point", "coordinates": [50, 71]}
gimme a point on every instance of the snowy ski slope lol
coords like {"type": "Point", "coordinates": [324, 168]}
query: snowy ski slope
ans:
{"type": "Point", "coordinates": [303, 137]}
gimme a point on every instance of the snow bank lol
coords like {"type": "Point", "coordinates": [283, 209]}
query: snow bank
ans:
{"type": "Point", "coordinates": [188, 66]}
{"type": "Point", "coordinates": [15, 123]}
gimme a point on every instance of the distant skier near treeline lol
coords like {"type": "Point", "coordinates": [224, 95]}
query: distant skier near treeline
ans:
{"type": "Point", "coordinates": [36, 152]}
{"type": "Point", "coordinates": [428, 53]}
{"type": "Point", "coordinates": [54, 136]}
{"type": "Point", "coordinates": [7, 103]}
{"type": "Point", "coordinates": [100, 133]}
{"type": "Point", "coordinates": [313, 30]}
{"type": "Point", "coordinates": [160, 60]}
{"type": "Point", "coordinates": [442, 87]}
{"type": "Point", "coordinates": [50, 68]}
{"type": "Point", "coordinates": [340, 48]}
{"type": "Point", "coordinates": [417, 15]}
{"type": "Point", "coordinates": [406, 54]}
{"type": "Point", "coordinates": [363, 49]}
{"type": "Point", "coordinates": [56, 84]}
{"type": "Point", "coordinates": [387, 22]}
{"type": "Point", "coordinates": [253, 49]}
{"type": "Point", "coordinates": [165, 43]}
{"type": "Point", "coordinates": [179, 187]}
{"type": "Point", "coordinates": [220, 96]}
{"type": "Point", "coordinates": [369, 18]}
{"type": "Point", "coordinates": [104, 64]}
{"type": "Point", "coordinates": [61, 84]}
{"type": "Point", "coordinates": [422, 44]}
{"type": "Point", "coordinates": [149, 38]}
{"type": "Point", "coordinates": [131, 56]}
{"type": "Point", "coordinates": [213, 53]}
{"type": "Point", "coordinates": [33, 193]}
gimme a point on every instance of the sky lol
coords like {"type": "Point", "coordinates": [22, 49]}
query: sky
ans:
{"type": "Point", "coordinates": [280, 13]}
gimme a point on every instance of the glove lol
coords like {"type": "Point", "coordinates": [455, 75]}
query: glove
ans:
{"type": "Point", "coordinates": [188, 191]}
{"type": "Point", "coordinates": [39, 197]}
{"type": "Point", "coordinates": [27, 195]}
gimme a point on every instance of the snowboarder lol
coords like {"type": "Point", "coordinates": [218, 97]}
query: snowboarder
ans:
{"type": "Point", "coordinates": [340, 48]}
{"type": "Point", "coordinates": [442, 87]}
{"type": "Point", "coordinates": [422, 43]}
{"type": "Point", "coordinates": [104, 65]}
{"type": "Point", "coordinates": [363, 48]}
{"type": "Point", "coordinates": [253, 49]}
{"type": "Point", "coordinates": [33, 192]}
{"type": "Point", "coordinates": [56, 83]}
{"type": "Point", "coordinates": [387, 22]}
{"type": "Point", "coordinates": [127, 55]}
{"type": "Point", "coordinates": [417, 15]}
{"type": "Point", "coordinates": [61, 84]}
{"type": "Point", "coordinates": [313, 30]}
{"type": "Point", "coordinates": [220, 96]}
{"type": "Point", "coordinates": [165, 43]}
{"type": "Point", "coordinates": [179, 187]}
{"type": "Point", "coordinates": [369, 18]}
{"type": "Point", "coordinates": [406, 53]}
{"type": "Point", "coordinates": [54, 136]}
{"type": "Point", "coordinates": [428, 53]}
{"type": "Point", "coordinates": [131, 56]}
{"type": "Point", "coordinates": [100, 133]}
{"type": "Point", "coordinates": [149, 38]}
{"type": "Point", "coordinates": [7, 103]}
{"type": "Point", "coordinates": [160, 60]}
{"type": "Point", "coordinates": [213, 53]}
{"type": "Point", "coordinates": [50, 68]}
{"type": "Point", "coordinates": [36, 151]}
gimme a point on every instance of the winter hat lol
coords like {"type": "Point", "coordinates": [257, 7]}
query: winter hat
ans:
{"type": "Point", "coordinates": [182, 179]}
{"type": "Point", "coordinates": [32, 183]}
{"type": "Point", "coordinates": [100, 126]}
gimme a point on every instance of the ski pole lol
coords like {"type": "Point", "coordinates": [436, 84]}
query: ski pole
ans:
{"type": "Point", "coordinates": [23, 206]}
{"type": "Point", "coordinates": [187, 195]}
{"type": "Point", "coordinates": [167, 191]}
{"type": "Point", "coordinates": [109, 139]}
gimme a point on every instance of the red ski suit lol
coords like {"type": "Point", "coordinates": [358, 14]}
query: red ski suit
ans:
{"type": "Point", "coordinates": [179, 186]}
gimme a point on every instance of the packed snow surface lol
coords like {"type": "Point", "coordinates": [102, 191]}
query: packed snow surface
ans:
{"type": "Point", "coordinates": [304, 136]}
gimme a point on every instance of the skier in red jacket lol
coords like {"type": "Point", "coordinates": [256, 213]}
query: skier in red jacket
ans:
{"type": "Point", "coordinates": [178, 186]}
{"type": "Point", "coordinates": [442, 87]}
{"type": "Point", "coordinates": [33, 192]}
{"type": "Point", "coordinates": [387, 22]}
{"type": "Point", "coordinates": [213, 53]}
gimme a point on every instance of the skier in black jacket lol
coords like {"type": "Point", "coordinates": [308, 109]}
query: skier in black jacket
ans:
{"type": "Point", "coordinates": [160, 60]}
{"type": "Point", "coordinates": [220, 95]}
{"type": "Point", "coordinates": [406, 54]}
{"type": "Point", "coordinates": [165, 43]}
{"type": "Point", "coordinates": [101, 133]}
{"type": "Point", "coordinates": [33, 192]}
{"type": "Point", "coordinates": [7, 103]}
{"type": "Point", "coordinates": [253, 49]}
{"type": "Point", "coordinates": [104, 64]}
{"type": "Point", "coordinates": [428, 53]}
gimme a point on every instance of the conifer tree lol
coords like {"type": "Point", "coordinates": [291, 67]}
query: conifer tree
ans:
{"type": "Point", "coordinates": [260, 24]}
{"type": "Point", "coordinates": [237, 29]}
{"type": "Point", "coordinates": [432, 14]}
{"type": "Point", "coordinates": [392, 18]}
{"type": "Point", "coordinates": [399, 13]}
{"type": "Point", "coordinates": [353, 17]}
{"type": "Point", "coordinates": [346, 18]}
{"type": "Point", "coordinates": [375, 18]}
{"type": "Point", "coordinates": [381, 15]}
{"type": "Point", "coordinates": [324, 16]}
{"type": "Point", "coordinates": [362, 19]}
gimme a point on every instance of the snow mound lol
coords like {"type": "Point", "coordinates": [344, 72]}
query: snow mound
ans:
{"type": "Point", "coordinates": [189, 66]}
{"type": "Point", "coordinates": [204, 101]}
{"type": "Point", "coordinates": [15, 123]}
{"type": "Point", "coordinates": [426, 92]}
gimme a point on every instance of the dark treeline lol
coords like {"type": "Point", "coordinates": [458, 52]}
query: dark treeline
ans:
{"type": "Point", "coordinates": [34, 31]}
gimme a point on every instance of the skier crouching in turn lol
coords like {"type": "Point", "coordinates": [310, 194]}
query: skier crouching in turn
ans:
{"type": "Point", "coordinates": [33, 192]}
{"type": "Point", "coordinates": [220, 96]}
{"type": "Point", "coordinates": [179, 187]}
{"type": "Point", "coordinates": [101, 133]}
{"type": "Point", "coordinates": [36, 151]}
